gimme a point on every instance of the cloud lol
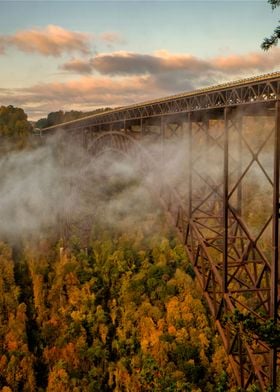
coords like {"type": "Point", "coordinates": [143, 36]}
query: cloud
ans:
{"type": "Point", "coordinates": [55, 40]}
{"type": "Point", "coordinates": [129, 63]}
{"type": "Point", "coordinates": [78, 66]}
{"type": "Point", "coordinates": [170, 73]}
{"type": "Point", "coordinates": [124, 63]}
{"type": "Point", "coordinates": [260, 61]}
{"type": "Point", "coordinates": [123, 78]}
{"type": "Point", "coordinates": [84, 93]}
{"type": "Point", "coordinates": [118, 63]}
{"type": "Point", "coordinates": [51, 41]}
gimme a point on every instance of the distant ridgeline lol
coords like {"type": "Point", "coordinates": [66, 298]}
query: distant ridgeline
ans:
{"type": "Point", "coordinates": [60, 117]}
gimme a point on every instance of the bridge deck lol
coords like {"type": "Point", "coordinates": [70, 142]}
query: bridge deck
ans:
{"type": "Point", "coordinates": [261, 89]}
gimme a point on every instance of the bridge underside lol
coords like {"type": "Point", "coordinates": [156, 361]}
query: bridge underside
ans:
{"type": "Point", "coordinates": [226, 209]}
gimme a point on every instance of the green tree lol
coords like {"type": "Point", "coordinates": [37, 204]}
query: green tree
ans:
{"type": "Point", "coordinates": [273, 39]}
{"type": "Point", "coordinates": [55, 118]}
{"type": "Point", "coordinates": [14, 125]}
{"type": "Point", "coordinates": [42, 123]}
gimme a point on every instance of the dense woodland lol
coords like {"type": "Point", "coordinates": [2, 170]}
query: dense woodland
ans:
{"type": "Point", "coordinates": [124, 314]}
{"type": "Point", "coordinates": [15, 129]}
{"type": "Point", "coordinates": [119, 310]}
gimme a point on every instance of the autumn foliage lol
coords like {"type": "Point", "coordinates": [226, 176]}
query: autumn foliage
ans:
{"type": "Point", "coordinates": [123, 314]}
{"type": "Point", "coordinates": [118, 311]}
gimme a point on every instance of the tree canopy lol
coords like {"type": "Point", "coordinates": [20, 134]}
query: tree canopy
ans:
{"type": "Point", "coordinates": [124, 314]}
{"type": "Point", "coordinates": [14, 125]}
{"type": "Point", "coordinates": [273, 39]}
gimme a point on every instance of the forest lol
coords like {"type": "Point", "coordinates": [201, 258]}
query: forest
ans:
{"type": "Point", "coordinates": [115, 309]}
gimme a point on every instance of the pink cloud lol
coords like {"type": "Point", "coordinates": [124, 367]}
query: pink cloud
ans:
{"type": "Point", "coordinates": [90, 88]}
{"type": "Point", "coordinates": [131, 63]}
{"type": "Point", "coordinates": [51, 41]}
{"type": "Point", "coordinates": [173, 72]}
{"type": "Point", "coordinates": [79, 66]}
{"type": "Point", "coordinates": [136, 63]}
{"type": "Point", "coordinates": [261, 61]}
{"type": "Point", "coordinates": [84, 93]}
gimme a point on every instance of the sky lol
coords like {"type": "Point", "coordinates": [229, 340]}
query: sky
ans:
{"type": "Point", "coordinates": [83, 55]}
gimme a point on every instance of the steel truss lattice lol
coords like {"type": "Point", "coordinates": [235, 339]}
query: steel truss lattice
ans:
{"type": "Point", "coordinates": [228, 213]}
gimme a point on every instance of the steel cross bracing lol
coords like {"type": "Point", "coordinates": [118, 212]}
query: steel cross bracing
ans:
{"type": "Point", "coordinates": [227, 210]}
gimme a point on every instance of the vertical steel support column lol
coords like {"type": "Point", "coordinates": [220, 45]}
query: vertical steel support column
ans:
{"type": "Point", "coordinates": [162, 125]}
{"type": "Point", "coordinates": [206, 127]}
{"type": "Point", "coordinates": [190, 166]}
{"type": "Point", "coordinates": [275, 241]}
{"type": "Point", "coordinates": [238, 128]}
{"type": "Point", "coordinates": [225, 204]}
{"type": "Point", "coordinates": [162, 130]}
{"type": "Point", "coordinates": [240, 162]}
{"type": "Point", "coordinates": [85, 133]}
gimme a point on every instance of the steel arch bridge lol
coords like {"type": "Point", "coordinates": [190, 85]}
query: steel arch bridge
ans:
{"type": "Point", "coordinates": [228, 219]}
